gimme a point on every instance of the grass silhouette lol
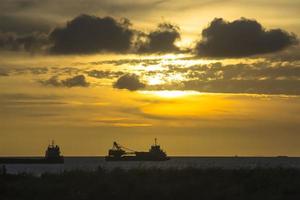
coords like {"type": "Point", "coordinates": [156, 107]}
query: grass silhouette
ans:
{"type": "Point", "coordinates": [154, 183]}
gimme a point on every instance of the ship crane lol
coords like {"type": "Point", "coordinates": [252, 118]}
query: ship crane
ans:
{"type": "Point", "coordinates": [118, 150]}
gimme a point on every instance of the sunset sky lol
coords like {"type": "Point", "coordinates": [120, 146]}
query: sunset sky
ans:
{"type": "Point", "coordinates": [205, 77]}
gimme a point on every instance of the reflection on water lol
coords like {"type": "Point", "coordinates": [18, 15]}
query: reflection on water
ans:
{"type": "Point", "coordinates": [92, 163]}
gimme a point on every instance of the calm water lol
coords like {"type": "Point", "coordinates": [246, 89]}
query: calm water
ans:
{"type": "Point", "coordinates": [91, 163]}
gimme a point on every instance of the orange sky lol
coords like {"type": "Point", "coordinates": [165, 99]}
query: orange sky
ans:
{"type": "Point", "coordinates": [208, 106]}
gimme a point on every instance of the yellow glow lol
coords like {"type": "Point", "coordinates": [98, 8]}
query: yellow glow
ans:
{"type": "Point", "coordinates": [85, 120]}
{"type": "Point", "coordinates": [131, 125]}
{"type": "Point", "coordinates": [170, 93]}
{"type": "Point", "coordinates": [186, 42]}
{"type": "Point", "coordinates": [190, 104]}
{"type": "Point", "coordinates": [176, 77]}
{"type": "Point", "coordinates": [155, 80]}
{"type": "Point", "coordinates": [149, 68]}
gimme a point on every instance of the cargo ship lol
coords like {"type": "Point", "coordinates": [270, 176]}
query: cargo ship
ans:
{"type": "Point", "coordinates": [52, 156]}
{"type": "Point", "coordinates": [121, 153]}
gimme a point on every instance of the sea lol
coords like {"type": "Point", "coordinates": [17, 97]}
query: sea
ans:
{"type": "Point", "coordinates": [93, 163]}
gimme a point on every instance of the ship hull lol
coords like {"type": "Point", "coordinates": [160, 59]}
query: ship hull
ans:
{"type": "Point", "coordinates": [135, 158]}
{"type": "Point", "coordinates": [30, 160]}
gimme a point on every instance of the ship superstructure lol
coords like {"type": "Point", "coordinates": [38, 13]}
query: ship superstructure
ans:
{"type": "Point", "coordinates": [53, 152]}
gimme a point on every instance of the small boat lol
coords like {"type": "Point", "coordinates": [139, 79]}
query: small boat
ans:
{"type": "Point", "coordinates": [52, 156]}
{"type": "Point", "coordinates": [121, 153]}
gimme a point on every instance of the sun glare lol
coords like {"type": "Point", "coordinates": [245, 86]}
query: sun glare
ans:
{"type": "Point", "coordinates": [155, 80]}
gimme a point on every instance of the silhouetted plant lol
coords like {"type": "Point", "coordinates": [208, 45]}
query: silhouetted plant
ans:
{"type": "Point", "coordinates": [154, 183]}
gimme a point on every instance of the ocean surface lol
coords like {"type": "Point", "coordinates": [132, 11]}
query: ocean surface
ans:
{"type": "Point", "coordinates": [92, 163]}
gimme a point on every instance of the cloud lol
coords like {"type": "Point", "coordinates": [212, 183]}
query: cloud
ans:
{"type": "Point", "coordinates": [104, 74]}
{"type": "Point", "coordinates": [76, 81]}
{"type": "Point", "coordinates": [161, 40]}
{"type": "Point", "coordinates": [27, 97]}
{"type": "Point", "coordinates": [31, 42]}
{"type": "Point", "coordinates": [264, 77]}
{"type": "Point", "coordinates": [24, 24]}
{"type": "Point", "coordinates": [89, 34]}
{"type": "Point", "coordinates": [3, 72]}
{"type": "Point", "coordinates": [289, 87]}
{"type": "Point", "coordinates": [66, 8]}
{"type": "Point", "coordinates": [242, 71]}
{"type": "Point", "coordinates": [291, 54]}
{"type": "Point", "coordinates": [240, 38]}
{"type": "Point", "coordinates": [130, 82]}
{"type": "Point", "coordinates": [132, 61]}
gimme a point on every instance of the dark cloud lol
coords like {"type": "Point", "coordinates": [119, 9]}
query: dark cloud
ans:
{"type": "Point", "coordinates": [76, 81]}
{"type": "Point", "coordinates": [130, 82]}
{"type": "Point", "coordinates": [161, 40]}
{"type": "Point", "coordinates": [104, 74]}
{"type": "Point", "coordinates": [289, 87]}
{"type": "Point", "coordinates": [89, 34]}
{"type": "Point", "coordinates": [240, 38]}
{"type": "Point", "coordinates": [35, 42]}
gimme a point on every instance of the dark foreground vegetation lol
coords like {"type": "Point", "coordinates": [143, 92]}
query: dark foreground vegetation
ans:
{"type": "Point", "coordinates": [144, 184]}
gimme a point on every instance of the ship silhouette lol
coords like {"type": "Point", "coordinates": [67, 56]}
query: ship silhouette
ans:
{"type": "Point", "coordinates": [121, 153]}
{"type": "Point", "coordinates": [52, 156]}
